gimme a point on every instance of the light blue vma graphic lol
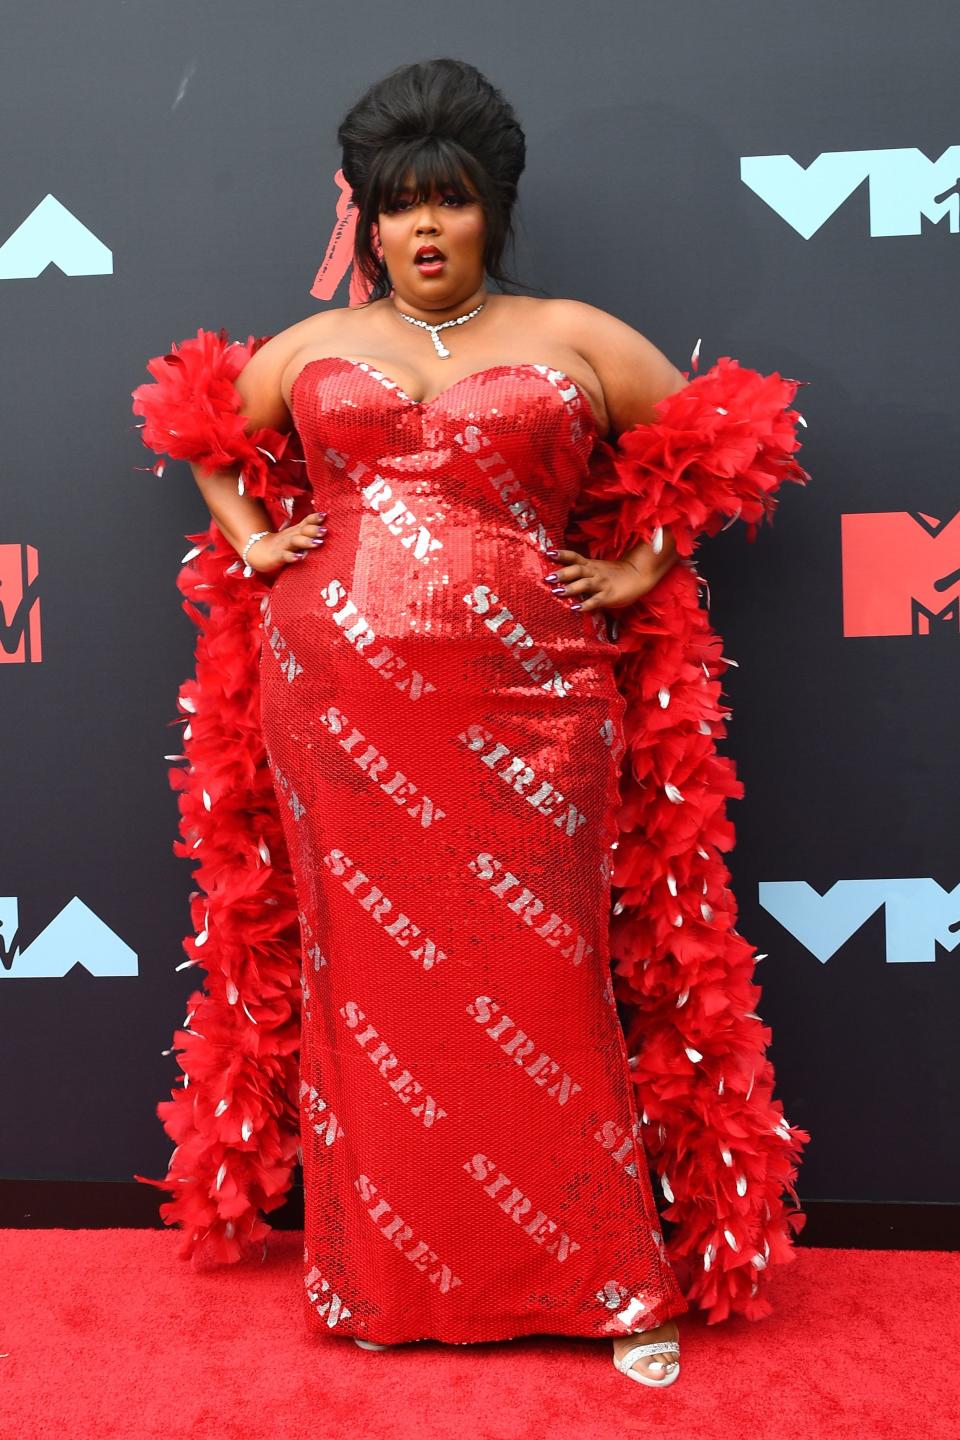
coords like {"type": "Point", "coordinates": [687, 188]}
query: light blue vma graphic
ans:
{"type": "Point", "coordinates": [50, 235]}
{"type": "Point", "coordinates": [74, 937]}
{"type": "Point", "coordinates": [919, 915]}
{"type": "Point", "coordinates": [904, 186]}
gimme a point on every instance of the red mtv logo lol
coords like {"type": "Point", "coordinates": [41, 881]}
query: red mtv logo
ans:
{"type": "Point", "coordinates": [19, 605]}
{"type": "Point", "coordinates": [901, 573]}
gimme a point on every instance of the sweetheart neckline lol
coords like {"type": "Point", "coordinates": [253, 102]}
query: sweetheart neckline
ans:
{"type": "Point", "coordinates": [393, 385]}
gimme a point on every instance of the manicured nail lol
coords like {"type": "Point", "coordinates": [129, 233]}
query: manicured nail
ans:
{"type": "Point", "coordinates": [321, 515]}
{"type": "Point", "coordinates": [558, 589]}
{"type": "Point", "coordinates": [552, 553]}
{"type": "Point", "coordinates": [577, 606]}
{"type": "Point", "coordinates": [551, 576]}
{"type": "Point", "coordinates": [319, 540]}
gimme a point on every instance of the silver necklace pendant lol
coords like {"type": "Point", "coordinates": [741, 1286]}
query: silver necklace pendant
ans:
{"type": "Point", "coordinates": [438, 344]}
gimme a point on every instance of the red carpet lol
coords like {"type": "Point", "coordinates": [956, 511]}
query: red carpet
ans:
{"type": "Point", "coordinates": [105, 1333]}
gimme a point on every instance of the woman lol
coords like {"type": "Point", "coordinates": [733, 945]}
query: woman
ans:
{"type": "Point", "coordinates": [444, 713]}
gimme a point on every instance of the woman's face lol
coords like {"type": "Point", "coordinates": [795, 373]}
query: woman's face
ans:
{"type": "Point", "coordinates": [454, 226]}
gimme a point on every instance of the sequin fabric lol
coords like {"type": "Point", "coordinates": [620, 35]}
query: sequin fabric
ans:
{"type": "Point", "coordinates": [444, 736]}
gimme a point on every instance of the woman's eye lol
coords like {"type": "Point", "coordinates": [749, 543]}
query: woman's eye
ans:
{"type": "Point", "coordinates": [404, 203]}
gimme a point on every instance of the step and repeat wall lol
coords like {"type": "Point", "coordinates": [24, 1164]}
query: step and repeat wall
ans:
{"type": "Point", "coordinates": [782, 187]}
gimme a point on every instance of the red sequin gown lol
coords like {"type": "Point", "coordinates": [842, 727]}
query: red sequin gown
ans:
{"type": "Point", "coordinates": [444, 736]}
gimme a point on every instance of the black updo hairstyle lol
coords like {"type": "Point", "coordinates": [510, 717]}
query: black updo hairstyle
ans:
{"type": "Point", "coordinates": [437, 119]}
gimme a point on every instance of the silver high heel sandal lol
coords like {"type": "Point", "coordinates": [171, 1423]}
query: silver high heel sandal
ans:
{"type": "Point", "coordinates": [671, 1368]}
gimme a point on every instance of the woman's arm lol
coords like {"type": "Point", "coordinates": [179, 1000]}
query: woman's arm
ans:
{"type": "Point", "coordinates": [239, 516]}
{"type": "Point", "coordinates": [634, 376]}
{"type": "Point", "coordinates": [258, 386]}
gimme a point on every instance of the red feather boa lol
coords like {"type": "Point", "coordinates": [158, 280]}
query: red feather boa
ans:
{"type": "Point", "coordinates": [718, 1140]}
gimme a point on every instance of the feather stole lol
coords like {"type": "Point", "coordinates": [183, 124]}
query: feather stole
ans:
{"type": "Point", "coordinates": [717, 450]}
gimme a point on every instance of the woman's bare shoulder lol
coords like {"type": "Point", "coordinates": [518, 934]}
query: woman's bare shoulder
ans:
{"type": "Point", "coordinates": [309, 331]}
{"type": "Point", "coordinates": [634, 372]}
{"type": "Point", "coordinates": [261, 381]}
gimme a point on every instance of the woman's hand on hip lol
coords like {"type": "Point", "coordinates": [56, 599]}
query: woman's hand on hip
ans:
{"type": "Point", "coordinates": [280, 547]}
{"type": "Point", "coordinates": [596, 584]}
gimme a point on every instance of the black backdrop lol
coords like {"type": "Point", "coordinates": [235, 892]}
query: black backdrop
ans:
{"type": "Point", "coordinates": [173, 166]}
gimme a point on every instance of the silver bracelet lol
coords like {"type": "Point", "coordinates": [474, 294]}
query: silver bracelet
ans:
{"type": "Point", "coordinates": [257, 535]}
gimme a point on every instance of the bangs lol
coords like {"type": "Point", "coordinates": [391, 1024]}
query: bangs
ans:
{"type": "Point", "coordinates": [431, 163]}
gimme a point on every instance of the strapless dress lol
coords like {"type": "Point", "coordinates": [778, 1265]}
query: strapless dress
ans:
{"type": "Point", "coordinates": [444, 735]}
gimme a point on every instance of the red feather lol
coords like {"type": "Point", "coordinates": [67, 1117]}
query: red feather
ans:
{"type": "Point", "coordinates": [716, 451]}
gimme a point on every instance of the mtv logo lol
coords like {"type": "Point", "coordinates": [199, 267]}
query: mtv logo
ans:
{"type": "Point", "coordinates": [74, 937]}
{"type": "Point", "coordinates": [19, 605]}
{"type": "Point", "coordinates": [901, 574]}
{"type": "Point", "coordinates": [905, 187]}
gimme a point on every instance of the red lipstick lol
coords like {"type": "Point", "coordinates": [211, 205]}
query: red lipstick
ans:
{"type": "Point", "coordinates": [429, 260]}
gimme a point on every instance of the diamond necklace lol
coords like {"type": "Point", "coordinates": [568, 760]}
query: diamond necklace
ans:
{"type": "Point", "coordinates": [439, 346]}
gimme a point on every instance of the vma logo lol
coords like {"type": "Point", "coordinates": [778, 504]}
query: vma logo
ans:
{"type": "Point", "coordinates": [919, 915]}
{"type": "Point", "coordinates": [74, 937]}
{"type": "Point", "coordinates": [905, 187]}
{"type": "Point", "coordinates": [19, 605]}
{"type": "Point", "coordinates": [901, 574]}
{"type": "Point", "coordinates": [51, 235]}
